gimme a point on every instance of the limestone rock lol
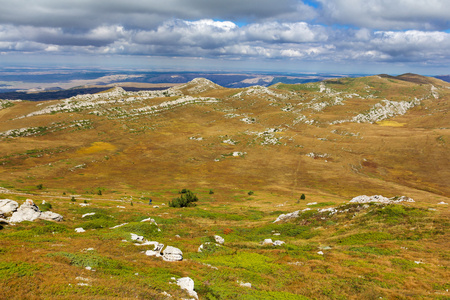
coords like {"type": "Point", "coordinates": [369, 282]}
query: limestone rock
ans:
{"type": "Point", "coordinates": [220, 240]}
{"type": "Point", "coordinates": [278, 243]}
{"type": "Point", "coordinates": [137, 238]}
{"type": "Point", "coordinates": [187, 284]}
{"type": "Point", "coordinates": [50, 216]}
{"type": "Point", "coordinates": [28, 211]}
{"type": "Point", "coordinates": [79, 229]}
{"type": "Point", "coordinates": [245, 284]}
{"type": "Point", "coordinates": [172, 254]}
{"type": "Point", "coordinates": [380, 199]}
{"type": "Point", "coordinates": [156, 250]}
{"type": "Point", "coordinates": [8, 206]}
{"type": "Point", "coordinates": [267, 242]}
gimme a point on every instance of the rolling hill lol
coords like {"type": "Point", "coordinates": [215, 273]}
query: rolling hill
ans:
{"type": "Point", "coordinates": [249, 153]}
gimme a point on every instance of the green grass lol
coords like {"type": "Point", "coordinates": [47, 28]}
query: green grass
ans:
{"type": "Point", "coordinates": [365, 238]}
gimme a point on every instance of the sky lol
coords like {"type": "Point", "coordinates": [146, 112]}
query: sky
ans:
{"type": "Point", "coordinates": [334, 36]}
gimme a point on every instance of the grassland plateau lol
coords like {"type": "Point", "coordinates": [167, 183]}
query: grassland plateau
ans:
{"type": "Point", "coordinates": [248, 154]}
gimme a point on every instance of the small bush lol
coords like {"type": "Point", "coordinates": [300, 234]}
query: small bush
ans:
{"type": "Point", "coordinates": [302, 197]}
{"type": "Point", "coordinates": [186, 199]}
{"type": "Point", "coordinates": [211, 192]}
{"type": "Point", "coordinates": [45, 206]}
{"type": "Point", "coordinates": [40, 186]}
{"type": "Point", "coordinates": [250, 193]}
{"type": "Point", "coordinates": [73, 199]}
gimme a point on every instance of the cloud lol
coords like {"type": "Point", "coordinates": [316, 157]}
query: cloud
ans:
{"type": "Point", "coordinates": [144, 14]}
{"type": "Point", "coordinates": [387, 14]}
{"type": "Point", "coordinates": [343, 31]}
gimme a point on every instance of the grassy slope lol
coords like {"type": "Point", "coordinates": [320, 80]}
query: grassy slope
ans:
{"type": "Point", "coordinates": [153, 156]}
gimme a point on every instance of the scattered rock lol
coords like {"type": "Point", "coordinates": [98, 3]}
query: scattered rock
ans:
{"type": "Point", "coordinates": [220, 240]}
{"type": "Point", "coordinates": [8, 206]}
{"type": "Point", "coordinates": [320, 253]}
{"type": "Point", "coordinates": [172, 254]}
{"type": "Point", "coordinates": [312, 203]}
{"type": "Point", "coordinates": [245, 284]}
{"type": "Point", "coordinates": [88, 214]}
{"type": "Point", "coordinates": [443, 203]}
{"type": "Point", "coordinates": [117, 226]}
{"type": "Point", "coordinates": [187, 284]}
{"type": "Point", "coordinates": [150, 220]}
{"type": "Point", "coordinates": [79, 229]}
{"type": "Point", "coordinates": [292, 215]}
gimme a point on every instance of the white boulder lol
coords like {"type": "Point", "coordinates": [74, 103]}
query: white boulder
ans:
{"type": "Point", "coordinates": [187, 284]}
{"type": "Point", "coordinates": [278, 243]}
{"type": "Point", "coordinates": [79, 230]}
{"type": "Point", "coordinates": [267, 242]}
{"type": "Point", "coordinates": [220, 240]}
{"type": "Point", "coordinates": [172, 254]}
{"type": "Point", "coordinates": [28, 211]}
{"type": "Point", "coordinates": [8, 206]}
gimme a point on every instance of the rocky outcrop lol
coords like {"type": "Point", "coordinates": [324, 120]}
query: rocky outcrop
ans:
{"type": "Point", "coordinates": [380, 199]}
{"type": "Point", "coordinates": [29, 211]}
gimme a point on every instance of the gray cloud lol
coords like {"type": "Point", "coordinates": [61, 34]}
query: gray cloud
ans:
{"type": "Point", "coordinates": [387, 14]}
{"type": "Point", "coordinates": [379, 30]}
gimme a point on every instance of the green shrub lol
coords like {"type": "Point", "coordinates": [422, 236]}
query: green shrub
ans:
{"type": "Point", "coordinates": [250, 193]}
{"type": "Point", "coordinates": [45, 206]}
{"type": "Point", "coordinates": [186, 199]}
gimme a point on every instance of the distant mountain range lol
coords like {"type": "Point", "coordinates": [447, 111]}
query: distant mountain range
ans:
{"type": "Point", "coordinates": [39, 86]}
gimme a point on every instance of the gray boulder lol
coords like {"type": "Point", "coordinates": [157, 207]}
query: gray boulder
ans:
{"type": "Point", "coordinates": [8, 206]}
{"type": "Point", "coordinates": [28, 211]}
{"type": "Point", "coordinates": [50, 216]}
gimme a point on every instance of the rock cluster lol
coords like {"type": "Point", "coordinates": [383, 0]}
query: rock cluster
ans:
{"type": "Point", "coordinates": [28, 211]}
{"type": "Point", "coordinates": [380, 199]}
{"type": "Point", "coordinates": [169, 254]}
